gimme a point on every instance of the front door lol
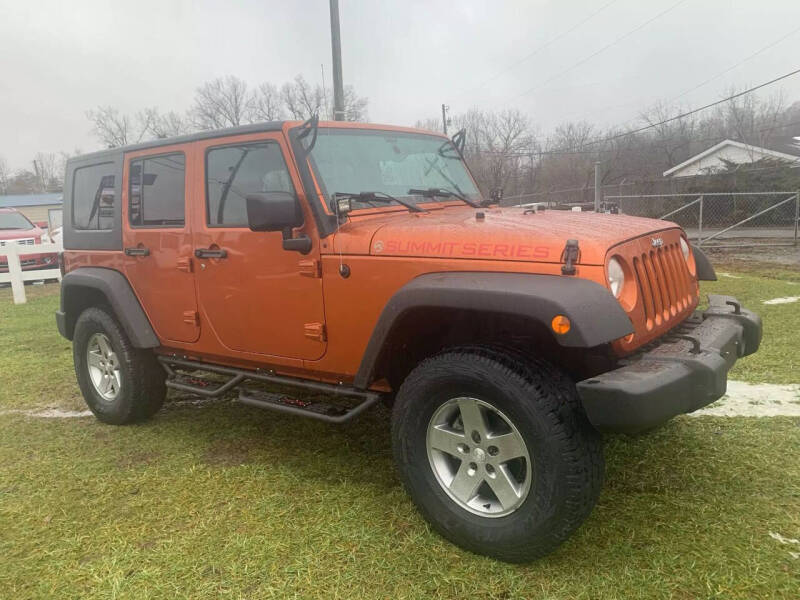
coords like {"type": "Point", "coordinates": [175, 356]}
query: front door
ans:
{"type": "Point", "coordinates": [256, 296]}
{"type": "Point", "coordinates": [158, 243]}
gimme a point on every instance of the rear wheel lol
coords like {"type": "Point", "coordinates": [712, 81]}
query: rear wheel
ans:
{"type": "Point", "coordinates": [121, 384]}
{"type": "Point", "coordinates": [496, 452]}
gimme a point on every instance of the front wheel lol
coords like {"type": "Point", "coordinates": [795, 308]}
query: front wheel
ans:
{"type": "Point", "coordinates": [496, 452]}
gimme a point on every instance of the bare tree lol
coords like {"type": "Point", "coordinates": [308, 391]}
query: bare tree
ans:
{"type": "Point", "coordinates": [165, 125]}
{"type": "Point", "coordinates": [223, 102]}
{"type": "Point", "coordinates": [302, 100]}
{"type": "Point", "coordinates": [47, 169]}
{"type": "Point", "coordinates": [672, 138]}
{"type": "Point", "coordinates": [266, 103]}
{"type": "Point", "coordinates": [430, 124]}
{"type": "Point", "coordinates": [114, 129]}
{"type": "Point", "coordinates": [355, 106]}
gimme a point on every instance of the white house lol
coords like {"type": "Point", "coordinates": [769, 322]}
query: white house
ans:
{"type": "Point", "coordinates": [711, 160]}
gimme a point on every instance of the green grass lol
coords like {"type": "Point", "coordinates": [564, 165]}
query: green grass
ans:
{"type": "Point", "coordinates": [224, 501]}
{"type": "Point", "coordinates": [778, 360]}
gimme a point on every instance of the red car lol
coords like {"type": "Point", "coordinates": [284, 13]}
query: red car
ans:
{"type": "Point", "coordinates": [15, 228]}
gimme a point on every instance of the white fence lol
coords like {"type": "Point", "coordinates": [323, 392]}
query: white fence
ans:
{"type": "Point", "coordinates": [16, 276]}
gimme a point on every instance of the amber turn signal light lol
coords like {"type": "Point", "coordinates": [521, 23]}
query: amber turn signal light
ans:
{"type": "Point", "coordinates": [560, 324]}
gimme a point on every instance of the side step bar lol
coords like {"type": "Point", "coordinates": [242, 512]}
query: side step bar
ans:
{"type": "Point", "coordinates": [266, 400]}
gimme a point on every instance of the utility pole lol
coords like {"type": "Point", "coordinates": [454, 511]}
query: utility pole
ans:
{"type": "Point", "coordinates": [598, 192]}
{"type": "Point", "coordinates": [445, 108]}
{"type": "Point", "coordinates": [336, 49]}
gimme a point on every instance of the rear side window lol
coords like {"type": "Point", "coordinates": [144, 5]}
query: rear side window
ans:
{"type": "Point", "coordinates": [93, 197]}
{"type": "Point", "coordinates": [157, 190]}
{"type": "Point", "coordinates": [233, 172]}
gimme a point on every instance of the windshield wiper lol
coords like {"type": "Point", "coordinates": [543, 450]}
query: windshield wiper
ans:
{"type": "Point", "coordinates": [376, 197]}
{"type": "Point", "coordinates": [443, 193]}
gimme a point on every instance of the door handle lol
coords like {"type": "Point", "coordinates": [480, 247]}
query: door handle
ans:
{"type": "Point", "coordinates": [208, 253]}
{"type": "Point", "coordinates": [137, 251]}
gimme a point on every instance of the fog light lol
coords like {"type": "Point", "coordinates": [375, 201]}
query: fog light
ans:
{"type": "Point", "coordinates": [560, 324]}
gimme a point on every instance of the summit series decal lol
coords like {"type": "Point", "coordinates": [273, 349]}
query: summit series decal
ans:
{"type": "Point", "coordinates": [473, 249]}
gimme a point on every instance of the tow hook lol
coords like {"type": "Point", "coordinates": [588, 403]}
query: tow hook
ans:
{"type": "Point", "coordinates": [570, 256]}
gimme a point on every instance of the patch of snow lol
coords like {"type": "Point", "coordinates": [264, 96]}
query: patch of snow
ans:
{"type": "Point", "coordinates": [50, 413]}
{"type": "Point", "coordinates": [728, 275]}
{"type": "Point", "coordinates": [785, 300]}
{"type": "Point", "coordinates": [783, 540]}
{"type": "Point", "coordinates": [57, 413]}
{"type": "Point", "coordinates": [755, 400]}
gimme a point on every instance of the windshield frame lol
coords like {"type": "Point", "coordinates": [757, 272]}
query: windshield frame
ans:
{"type": "Point", "coordinates": [20, 215]}
{"type": "Point", "coordinates": [361, 129]}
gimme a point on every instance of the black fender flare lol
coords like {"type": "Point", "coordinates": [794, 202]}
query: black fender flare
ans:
{"type": "Point", "coordinates": [596, 316]}
{"type": "Point", "coordinates": [119, 294]}
{"type": "Point", "coordinates": [705, 270]}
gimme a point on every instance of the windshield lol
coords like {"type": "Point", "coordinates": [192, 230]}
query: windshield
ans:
{"type": "Point", "coordinates": [14, 220]}
{"type": "Point", "coordinates": [353, 161]}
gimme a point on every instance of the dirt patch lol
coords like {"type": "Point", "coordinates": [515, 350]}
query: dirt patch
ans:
{"type": "Point", "coordinates": [229, 453]}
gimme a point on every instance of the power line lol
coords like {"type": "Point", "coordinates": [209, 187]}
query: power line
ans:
{"type": "Point", "coordinates": [603, 49]}
{"type": "Point", "coordinates": [710, 79]}
{"type": "Point", "coordinates": [540, 48]}
{"type": "Point", "coordinates": [715, 138]}
{"type": "Point", "coordinates": [687, 113]}
{"type": "Point", "coordinates": [738, 64]}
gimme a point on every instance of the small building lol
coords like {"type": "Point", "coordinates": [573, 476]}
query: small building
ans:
{"type": "Point", "coordinates": [718, 157]}
{"type": "Point", "coordinates": [34, 206]}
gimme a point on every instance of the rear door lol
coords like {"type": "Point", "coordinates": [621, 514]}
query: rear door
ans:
{"type": "Point", "coordinates": [157, 240]}
{"type": "Point", "coordinates": [256, 296]}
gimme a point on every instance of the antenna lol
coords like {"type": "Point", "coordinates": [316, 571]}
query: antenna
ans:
{"type": "Point", "coordinates": [325, 91]}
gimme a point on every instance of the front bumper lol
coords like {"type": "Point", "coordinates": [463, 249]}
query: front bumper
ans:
{"type": "Point", "coordinates": [684, 370]}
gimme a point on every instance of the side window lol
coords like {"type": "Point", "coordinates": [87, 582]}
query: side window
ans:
{"type": "Point", "coordinates": [156, 195]}
{"type": "Point", "coordinates": [233, 172]}
{"type": "Point", "coordinates": [93, 197]}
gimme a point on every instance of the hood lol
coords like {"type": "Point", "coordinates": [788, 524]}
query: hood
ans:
{"type": "Point", "coordinates": [506, 233]}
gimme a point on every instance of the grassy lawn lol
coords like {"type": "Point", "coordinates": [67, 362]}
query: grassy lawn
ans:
{"type": "Point", "coordinates": [222, 500]}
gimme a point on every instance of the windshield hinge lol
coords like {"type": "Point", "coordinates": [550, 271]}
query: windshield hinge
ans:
{"type": "Point", "coordinates": [570, 256]}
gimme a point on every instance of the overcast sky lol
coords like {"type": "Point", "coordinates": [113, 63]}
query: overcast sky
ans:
{"type": "Point", "coordinates": [58, 59]}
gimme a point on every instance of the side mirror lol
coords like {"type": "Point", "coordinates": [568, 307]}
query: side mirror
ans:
{"type": "Point", "coordinates": [273, 211]}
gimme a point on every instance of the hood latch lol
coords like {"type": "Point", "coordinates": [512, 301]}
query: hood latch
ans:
{"type": "Point", "coordinates": [570, 256]}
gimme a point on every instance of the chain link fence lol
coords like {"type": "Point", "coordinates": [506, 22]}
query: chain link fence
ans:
{"type": "Point", "coordinates": [720, 218]}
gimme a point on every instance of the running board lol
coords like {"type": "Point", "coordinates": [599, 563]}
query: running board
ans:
{"type": "Point", "coordinates": [314, 410]}
{"type": "Point", "coordinates": [270, 401]}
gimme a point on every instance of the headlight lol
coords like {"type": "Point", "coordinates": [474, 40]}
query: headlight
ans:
{"type": "Point", "coordinates": [685, 249]}
{"type": "Point", "coordinates": [616, 277]}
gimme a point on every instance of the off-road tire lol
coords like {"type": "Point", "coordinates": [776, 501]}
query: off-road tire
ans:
{"type": "Point", "coordinates": [142, 389]}
{"type": "Point", "coordinates": [542, 403]}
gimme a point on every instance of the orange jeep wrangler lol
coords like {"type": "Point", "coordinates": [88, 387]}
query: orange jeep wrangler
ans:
{"type": "Point", "coordinates": [363, 262]}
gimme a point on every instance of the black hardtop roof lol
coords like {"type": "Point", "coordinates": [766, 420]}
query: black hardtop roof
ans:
{"type": "Point", "coordinates": [182, 139]}
{"type": "Point", "coordinates": [112, 153]}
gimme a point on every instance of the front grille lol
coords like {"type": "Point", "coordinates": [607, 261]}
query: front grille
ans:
{"type": "Point", "coordinates": [21, 242]}
{"type": "Point", "coordinates": [664, 283]}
